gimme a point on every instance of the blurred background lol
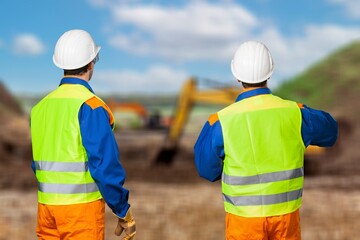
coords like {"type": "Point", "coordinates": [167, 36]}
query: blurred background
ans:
{"type": "Point", "coordinates": [164, 68]}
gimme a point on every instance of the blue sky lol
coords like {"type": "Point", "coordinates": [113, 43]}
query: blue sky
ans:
{"type": "Point", "coordinates": [154, 46]}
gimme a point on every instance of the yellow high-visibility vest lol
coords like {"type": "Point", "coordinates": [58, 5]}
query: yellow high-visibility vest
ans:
{"type": "Point", "coordinates": [264, 156]}
{"type": "Point", "coordinates": [60, 158]}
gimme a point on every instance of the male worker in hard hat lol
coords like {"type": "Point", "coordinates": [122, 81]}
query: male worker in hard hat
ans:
{"type": "Point", "coordinates": [256, 146]}
{"type": "Point", "coordinates": [75, 154]}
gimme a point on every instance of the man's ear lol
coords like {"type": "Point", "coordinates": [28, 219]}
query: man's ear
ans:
{"type": "Point", "coordinates": [90, 66]}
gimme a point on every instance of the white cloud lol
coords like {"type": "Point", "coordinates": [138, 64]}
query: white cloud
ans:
{"type": "Point", "coordinates": [198, 30]}
{"type": "Point", "coordinates": [352, 7]}
{"type": "Point", "coordinates": [156, 79]}
{"type": "Point", "coordinates": [28, 44]}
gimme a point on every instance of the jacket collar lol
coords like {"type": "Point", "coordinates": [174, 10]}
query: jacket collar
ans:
{"type": "Point", "coordinates": [72, 80]}
{"type": "Point", "coordinates": [251, 92]}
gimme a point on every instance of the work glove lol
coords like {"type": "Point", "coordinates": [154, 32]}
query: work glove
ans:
{"type": "Point", "coordinates": [126, 225]}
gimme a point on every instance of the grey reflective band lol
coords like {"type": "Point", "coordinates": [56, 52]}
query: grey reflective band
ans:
{"type": "Point", "coordinates": [263, 199]}
{"type": "Point", "coordinates": [67, 188]}
{"type": "Point", "coordinates": [61, 166]}
{"type": "Point", "coordinates": [263, 178]}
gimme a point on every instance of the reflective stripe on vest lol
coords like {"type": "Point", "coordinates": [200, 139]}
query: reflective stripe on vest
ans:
{"type": "Point", "coordinates": [263, 178]}
{"type": "Point", "coordinates": [263, 199]}
{"type": "Point", "coordinates": [67, 188]}
{"type": "Point", "coordinates": [61, 166]}
{"type": "Point", "coordinates": [60, 158]}
{"type": "Point", "coordinates": [263, 165]}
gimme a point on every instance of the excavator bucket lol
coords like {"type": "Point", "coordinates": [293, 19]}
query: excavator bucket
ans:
{"type": "Point", "coordinates": [165, 156]}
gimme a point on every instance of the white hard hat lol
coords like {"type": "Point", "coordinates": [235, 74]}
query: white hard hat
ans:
{"type": "Point", "coordinates": [75, 49]}
{"type": "Point", "coordinates": [252, 63]}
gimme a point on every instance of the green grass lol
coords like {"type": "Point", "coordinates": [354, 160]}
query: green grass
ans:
{"type": "Point", "coordinates": [328, 81]}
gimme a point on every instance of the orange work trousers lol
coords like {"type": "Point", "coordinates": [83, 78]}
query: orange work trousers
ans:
{"type": "Point", "coordinates": [71, 222]}
{"type": "Point", "coordinates": [284, 227]}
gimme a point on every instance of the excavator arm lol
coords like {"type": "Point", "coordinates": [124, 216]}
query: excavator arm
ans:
{"type": "Point", "coordinates": [189, 96]}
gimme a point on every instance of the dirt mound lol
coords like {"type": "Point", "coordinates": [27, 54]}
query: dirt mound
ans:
{"type": "Point", "coordinates": [14, 128]}
{"type": "Point", "coordinates": [9, 101]}
{"type": "Point", "coordinates": [138, 150]}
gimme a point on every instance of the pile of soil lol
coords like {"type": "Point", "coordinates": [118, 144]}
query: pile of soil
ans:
{"type": "Point", "coordinates": [15, 144]}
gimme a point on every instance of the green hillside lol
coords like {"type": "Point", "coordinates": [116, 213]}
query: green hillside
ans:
{"type": "Point", "coordinates": [332, 81]}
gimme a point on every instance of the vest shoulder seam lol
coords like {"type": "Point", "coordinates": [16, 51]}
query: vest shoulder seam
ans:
{"type": "Point", "coordinates": [213, 119]}
{"type": "Point", "coordinates": [94, 103]}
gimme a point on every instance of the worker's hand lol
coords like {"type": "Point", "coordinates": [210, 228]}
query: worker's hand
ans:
{"type": "Point", "coordinates": [126, 225]}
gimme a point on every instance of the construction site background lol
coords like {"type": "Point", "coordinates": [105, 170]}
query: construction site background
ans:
{"type": "Point", "coordinates": [170, 201]}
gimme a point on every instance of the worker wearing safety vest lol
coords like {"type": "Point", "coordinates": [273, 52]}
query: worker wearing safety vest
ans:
{"type": "Point", "coordinates": [256, 147]}
{"type": "Point", "coordinates": [75, 154]}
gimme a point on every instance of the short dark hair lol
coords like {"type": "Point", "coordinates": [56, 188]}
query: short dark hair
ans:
{"type": "Point", "coordinates": [250, 85]}
{"type": "Point", "coordinates": [77, 71]}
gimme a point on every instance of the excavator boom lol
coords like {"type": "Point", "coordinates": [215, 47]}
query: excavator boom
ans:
{"type": "Point", "coordinates": [188, 96]}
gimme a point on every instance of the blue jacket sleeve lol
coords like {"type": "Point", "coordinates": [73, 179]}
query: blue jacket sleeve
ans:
{"type": "Point", "coordinates": [209, 151]}
{"type": "Point", "coordinates": [318, 127]}
{"type": "Point", "coordinates": [103, 157]}
{"type": "Point", "coordinates": [33, 166]}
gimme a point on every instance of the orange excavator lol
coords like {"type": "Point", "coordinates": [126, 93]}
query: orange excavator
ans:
{"type": "Point", "coordinates": [128, 106]}
{"type": "Point", "coordinates": [136, 114]}
{"type": "Point", "coordinates": [145, 119]}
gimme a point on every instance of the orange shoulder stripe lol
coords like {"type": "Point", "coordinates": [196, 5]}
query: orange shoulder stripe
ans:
{"type": "Point", "coordinates": [300, 105]}
{"type": "Point", "coordinates": [213, 119]}
{"type": "Point", "coordinates": [95, 102]}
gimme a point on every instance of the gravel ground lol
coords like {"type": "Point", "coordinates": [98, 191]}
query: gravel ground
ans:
{"type": "Point", "coordinates": [194, 211]}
